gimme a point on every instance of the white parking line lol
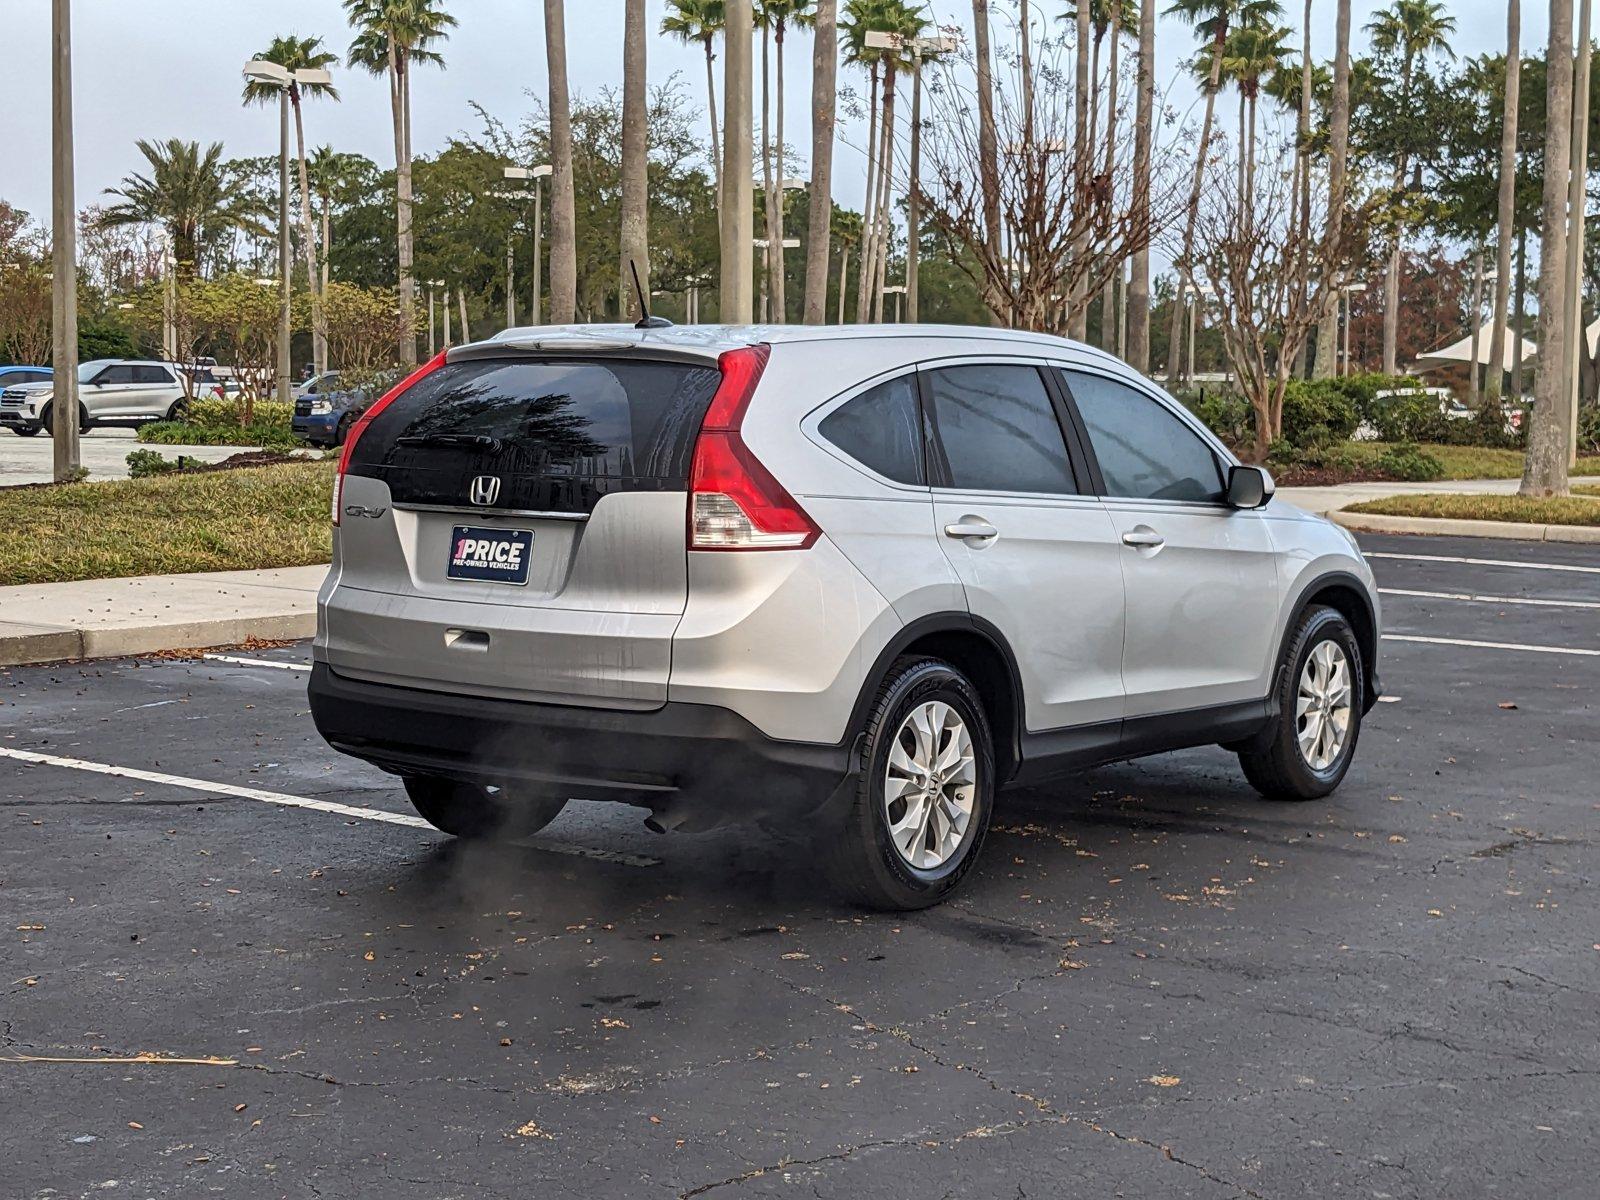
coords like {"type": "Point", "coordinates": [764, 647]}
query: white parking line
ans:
{"type": "Point", "coordinates": [1441, 641]}
{"type": "Point", "coordinates": [1486, 562]}
{"type": "Point", "coordinates": [288, 801]}
{"type": "Point", "coordinates": [256, 662]}
{"type": "Point", "coordinates": [1481, 599]}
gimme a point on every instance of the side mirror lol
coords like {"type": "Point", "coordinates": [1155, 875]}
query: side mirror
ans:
{"type": "Point", "coordinates": [1249, 487]}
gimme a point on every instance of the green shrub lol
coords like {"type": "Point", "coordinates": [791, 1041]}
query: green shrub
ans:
{"type": "Point", "coordinates": [1408, 461]}
{"type": "Point", "coordinates": [143, 463]}
{"type": "Point", "coordinates": [215, 413]}
{"type": "Point", "coordinates": [1318, 412]}
{"type": "Point", "coordinates": [212, 422]}
{"type": "Point", "coordinates": [1226, 414]}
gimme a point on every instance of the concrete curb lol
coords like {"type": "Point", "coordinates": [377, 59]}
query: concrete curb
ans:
{"type": "Point", "coordinates": [114, 618]}
{"type": "Point", "coordinates": [1517, 531]}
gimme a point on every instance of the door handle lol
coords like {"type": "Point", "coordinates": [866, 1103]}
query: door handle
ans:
{"type": "Point", "coordinates": [1143, 537]}
{"type": "Point", "coordinates": [971, 529]}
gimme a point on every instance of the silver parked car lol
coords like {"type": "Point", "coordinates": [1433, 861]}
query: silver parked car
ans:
{"type": "Point", "coordinates": [111, 391]}
{"type": "Point", "coordinates": [845, 579]}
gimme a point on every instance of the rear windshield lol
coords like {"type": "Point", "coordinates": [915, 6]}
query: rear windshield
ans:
{"type": "Point", "coordinates": [559, 433]}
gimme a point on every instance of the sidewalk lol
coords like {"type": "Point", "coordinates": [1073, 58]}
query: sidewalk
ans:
{"type": "Point", "coordinates": [1324, 500]}
{"type": "Point", "coordinates": [107, 618]}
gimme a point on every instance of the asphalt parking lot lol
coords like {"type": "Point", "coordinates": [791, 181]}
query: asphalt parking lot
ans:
{"type": "Point", "coordinates": [1156, 985]}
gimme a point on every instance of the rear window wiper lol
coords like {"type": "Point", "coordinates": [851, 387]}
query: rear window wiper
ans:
{"type": "Point", "coordinates": [472, 441]}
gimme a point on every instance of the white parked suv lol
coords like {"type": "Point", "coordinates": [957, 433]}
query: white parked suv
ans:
{"type": "Point", "coordinates": [846, 579]}
{"type": "Point", "coordinates": [111, 391]}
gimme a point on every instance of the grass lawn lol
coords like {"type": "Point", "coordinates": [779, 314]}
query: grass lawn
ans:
{"type": "Point", "coordinates": [1471, 462]}
{"type": "Point", "coordinates": [207, 521]}
{"type": "Point", "coordinates": [1573, 510]}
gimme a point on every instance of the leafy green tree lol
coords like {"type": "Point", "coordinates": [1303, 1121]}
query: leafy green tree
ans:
{"type": "Point", "coordinates": [189, 194]}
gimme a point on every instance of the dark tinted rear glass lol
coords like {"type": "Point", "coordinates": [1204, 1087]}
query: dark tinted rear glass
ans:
{"type": "Point", "coordinates": [560, 433]}
{"type": "Point", "coordinates": [881, 429]}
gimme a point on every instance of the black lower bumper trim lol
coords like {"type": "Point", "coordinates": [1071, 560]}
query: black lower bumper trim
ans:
{"type": "Point", "coordinates": [694, 766]}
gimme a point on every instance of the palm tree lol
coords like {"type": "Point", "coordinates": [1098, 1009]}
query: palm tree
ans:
{"type": "Point", "coordinates": [988, 151]}
{"type": "Point", "coordinates": [824, 83]}
{"type": "Point", "coordinates": [1505, 200]}
{"type": "Point", "coordinates": [860, 16]}
{"type": "Point", "coordinates": [1253, 52]}
{"type": "Point", "coordinates": [774, 17]}
{"type": "Point", "coordinates": [1544, 468]}
{"type": "Point", "coordinates": [736, 164]}
{"type": "Point", "coordinates": [1326, 364]}
{"type": "Point", "coordinates": [1411, 29]}
{"type": "Point", "coordinates": [563, 202]}
{"type": "Point", "coordinates": [701, 21]}
{"type": "Point", "coordinates": [297, 54]}
{"type": "Point", "coordinates": [391, 37]}
{"type": "Point", "coordinates": [1138, 301]}
{"type": "Point", "coordinates": [635, 239]}
{"type": "Point", "coordinates": [330, 173]}
{"type": "Point", "coordinates": [188, 194]}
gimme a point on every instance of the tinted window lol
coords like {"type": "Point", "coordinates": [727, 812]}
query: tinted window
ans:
{"type": "Point", "coordinates": [560, 433]}
{"type": "Point", "coordinates": [881, 429]}
{"type": "Point", "coordinates": [115, 375]}
{"type": "Point", "coordinates": [151, 375]}
{"type": "Point", "coordinates": [1144, 451]}
{"type": "Point", "coordinates": [999, 430]}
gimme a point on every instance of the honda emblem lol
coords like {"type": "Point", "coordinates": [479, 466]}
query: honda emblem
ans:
{"type": "Point", "coordinates": [485, 489]}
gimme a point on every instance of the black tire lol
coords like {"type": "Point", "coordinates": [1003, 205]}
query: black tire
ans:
{"type": "Point", "coordinates": [860, 857]}
{"type": "Point", "coordinates": [1273, 761]}
{"type": "Point", "coordinates": [467, 810]}
{"type": "Point", "coordinates": [179, 410]}
{"type": "Point", "coordinates": [342, 430]}
{"type": "Point", "coordinates": [47, 419]}
{"type": "Point", "coordinates": [25, 430]}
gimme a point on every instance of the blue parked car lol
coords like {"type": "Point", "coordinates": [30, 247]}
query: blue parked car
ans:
{"type": "Point", "coordinates": [11, 377]}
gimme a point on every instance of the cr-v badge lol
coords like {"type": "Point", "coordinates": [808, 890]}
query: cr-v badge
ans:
{"type": "Point", "coordinates": [361, 510]}
{"type": "Point", "coordinates": [485, 489]}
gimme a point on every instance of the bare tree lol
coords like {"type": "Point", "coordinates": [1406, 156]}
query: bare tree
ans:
{"type": "Point", "coordinates": [1270, 275]}
{"type": "Point", "coordinates": [824, 83]}
{"type": "Point", "coordinates": [1056, 240]}
{"type": "Point", "coordinates": [1506, 201]}
{"type": "Point", "coordinates": [25, 313]}
{"type": "Point", "coordinates": [1544, 468]}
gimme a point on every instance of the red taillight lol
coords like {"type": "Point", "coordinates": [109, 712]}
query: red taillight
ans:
{"type": "Point", "coordinates": [734, 502]}
{"type": "Point", "coordinates": [373, 409]}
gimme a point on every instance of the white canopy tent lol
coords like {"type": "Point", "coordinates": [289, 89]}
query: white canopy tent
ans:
{"type": "Point", "coordinates": [1460, 353]}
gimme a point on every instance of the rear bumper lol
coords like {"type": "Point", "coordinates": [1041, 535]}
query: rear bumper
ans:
{"type": "Point", "coordinates": [694, 766]}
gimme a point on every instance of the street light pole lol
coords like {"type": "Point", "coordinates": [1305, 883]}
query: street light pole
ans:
{"type": "Point", "coordinates": [285, 370]}
{"type": "Point", "coordinates": [64, 252]}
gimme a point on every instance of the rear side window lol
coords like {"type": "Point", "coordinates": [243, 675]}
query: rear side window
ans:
{"type": "Point", "coordinates": [115, 375]}
{"type": "Point", "coordinates": [881, 429]}
{"type": "Point", "coordinates": [151, 375]}
{"type": "Point", "coordinates": [560, 433]}
{"type": "Point", "coordinates": [1144, 451]}
{"type": "Point", "coordinates": [999, 430]}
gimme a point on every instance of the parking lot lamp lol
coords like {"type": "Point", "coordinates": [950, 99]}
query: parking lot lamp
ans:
{"type": "Point", "coordinates": [64, 252]}
{"type": "Point", "coordinates": [537, 174]}
{"type": "Point", "coordinates": [258, 70]}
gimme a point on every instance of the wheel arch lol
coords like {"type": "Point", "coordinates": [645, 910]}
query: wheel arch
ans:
{"type": "Point", "coordinates": [980, 652]}
{"type": "Point", "coordinates": [1350, 596]}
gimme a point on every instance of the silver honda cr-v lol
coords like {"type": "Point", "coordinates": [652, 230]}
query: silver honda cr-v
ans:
{"type": "Point", "coordinates": [854, 579]}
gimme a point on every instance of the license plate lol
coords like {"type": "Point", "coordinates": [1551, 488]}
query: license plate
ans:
{"type": "Point", "coordinates": [494, 555]}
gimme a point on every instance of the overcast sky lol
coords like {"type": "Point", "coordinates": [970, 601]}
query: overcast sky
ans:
{"type": "Point", "coordinates": [170, 68]}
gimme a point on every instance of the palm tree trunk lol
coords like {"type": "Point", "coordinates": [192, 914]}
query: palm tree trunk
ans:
{"type": "Point", "coordinates": [1326, 365]}
{"type": "Point", "coordinates": [402, 177]}
{"type": "Point", "coordinates": [780, 289]}
{"type": "Point", "coordinates": [1391, 275]}
{"type": "Point", "coordinates": [988, 150]}
{"type": "Point", "coordinates": [308, 239]}
{"type": "Point", "coordinates": [824, 82]}
{"type": "Point", "coordinates": [769, 207]}
{"type": "Point", "coordinates": [869, 213]}
{"type": "Point", "coordinates": [1244, 157]}
{"type": "Point", "coordinates": [327, 243]}
{"type": "Point", "coordinates": [635, 234]}
{"type": "Point", "coordinates": [1544, 467]}
{"type": "Point", "coordinates": [1138, 301]}
{"type": "Point", "coordinates": [1083, 152]}
{"type": "Point", "coordinates": [1505, 201]}
{"type": "Point", "coordinates": [711, 111]}
{"type": "Point", "coordinates": [1475, 366]}
{"type": "Point", "coordinates": [884, 219]}
{"type": "Point", "coordinates": [1110, 333]}
{"type": "Point", "coordinates": [736, 164]}
{"type": "Point", "coordinates": [1302, 162]}
{"type": "Point", "coordinates": [563, 204]}
{"type": "Point", "coordinates": [844, 277]}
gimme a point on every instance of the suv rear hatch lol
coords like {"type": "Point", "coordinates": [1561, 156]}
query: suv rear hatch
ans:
{"type": "Point", "coordinates": [515, 526]}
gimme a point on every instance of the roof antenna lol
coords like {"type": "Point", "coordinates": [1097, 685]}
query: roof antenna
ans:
{"type": "Point", "coordinates": [645, 321]}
